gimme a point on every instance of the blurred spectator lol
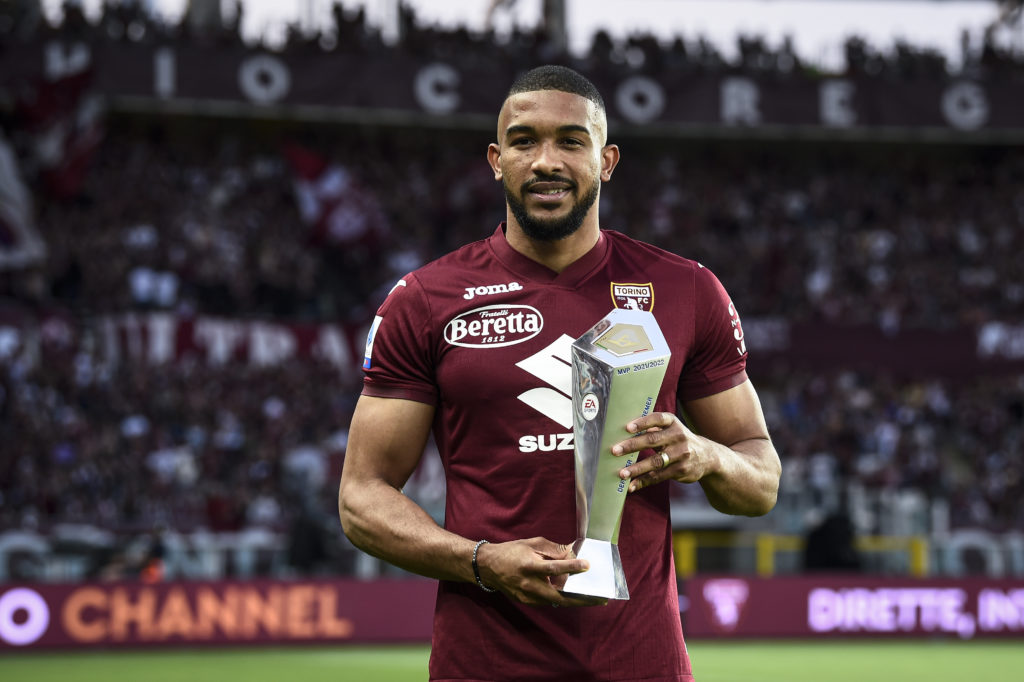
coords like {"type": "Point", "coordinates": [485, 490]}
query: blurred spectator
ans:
{"type": "Point", "coordinates": [830, 546]}
{"type": "Point", "coordinates": [898, 239]}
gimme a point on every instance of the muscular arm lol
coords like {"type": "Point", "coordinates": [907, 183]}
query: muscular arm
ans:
{"type": "Point", "coordinates": [744, 476]}
{"type": "Point", "coordinates": [386, 441]}
{"type": "Point", "coordinates": [728, 451]}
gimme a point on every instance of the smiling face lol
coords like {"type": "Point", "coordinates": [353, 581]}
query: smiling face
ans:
{"type": "Point", "coordinates": [551, 158]}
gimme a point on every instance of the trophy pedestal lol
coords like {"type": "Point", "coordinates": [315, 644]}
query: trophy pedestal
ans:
{"type": "Point", "coordinates": [605, 579]}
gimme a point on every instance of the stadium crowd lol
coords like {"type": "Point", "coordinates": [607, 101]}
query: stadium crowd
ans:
{"type": "Point", "coordinates": [898, 237]}
{"type": "Point", "coordinates": [349, 30]}
{"type": "Point", "coordinates": [190, 445]}
{"type": "Point", "coordinates": [199, 217]}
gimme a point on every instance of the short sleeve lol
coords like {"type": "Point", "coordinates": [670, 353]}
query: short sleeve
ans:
{"type": "Point", "coordinates": [718, 359]}
{"type": "Point", "coordinates": [398, 361]}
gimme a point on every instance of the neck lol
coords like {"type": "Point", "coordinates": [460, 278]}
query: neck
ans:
{"type": "Point", "coordinates": [554, 255]}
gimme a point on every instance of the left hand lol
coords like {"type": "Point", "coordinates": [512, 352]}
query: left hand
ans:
{"type": "Point", "coordinates": [679, 453]}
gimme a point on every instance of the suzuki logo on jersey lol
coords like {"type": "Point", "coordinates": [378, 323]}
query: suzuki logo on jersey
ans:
{"type": "Point", "coordinates": [633, 296]}
{"type": "Point", "coordinates": [494, 326]}
{"type": "Point", "coordinates": [491, 289]}
{"type": "Point", "coordinates": [553, 366]}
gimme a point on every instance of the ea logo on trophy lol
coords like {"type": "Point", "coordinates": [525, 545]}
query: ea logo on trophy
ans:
{"type": "Point", "coordinates": [617, 370]}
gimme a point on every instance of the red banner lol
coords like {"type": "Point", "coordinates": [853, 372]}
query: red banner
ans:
{"type": "Point", "coordinates": [959, 353]}
{"type": "Point", "coordinates": [852, 606]}
{"type": "Point", "coordinates": [156, 338]}
{"type": "Point", "coordinates": [217, 613]}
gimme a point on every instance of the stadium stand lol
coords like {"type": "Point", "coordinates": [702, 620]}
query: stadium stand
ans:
{"type": "Point", "coordinates": [187, 220]}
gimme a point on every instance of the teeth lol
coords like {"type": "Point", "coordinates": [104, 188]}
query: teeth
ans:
{"type": "Point", "coordinates": [552, 191]}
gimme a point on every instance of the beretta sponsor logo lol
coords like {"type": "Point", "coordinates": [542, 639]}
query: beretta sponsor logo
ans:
{"type": "Point", "coordinates": [494, 326]}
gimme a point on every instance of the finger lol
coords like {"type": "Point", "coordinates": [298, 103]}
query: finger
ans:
{"type": "Point", "coordinates": [648, 471]}
{"type": "Point", "coordinates": [550, 550]}
{"type": "Point", "coordinates": [652, 438]}
{"type": "Point", "coordinates": [654, 420]}
{"type": "Point", "coordinates": [657, 462]}
{"type": "Point", "coordinates": [645, 429]}
{"type": "Point", "coordinates": [647, 480]}
{"type": "Point", "coordinates": [563, 567]}
{"type": "Point", "coordinates": [540, 590]}
{"type": "Point", "coordinates": [560, 552]}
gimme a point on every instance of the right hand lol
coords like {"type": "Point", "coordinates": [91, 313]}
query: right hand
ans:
{"type": "Point", "coordinates": [531, 571]}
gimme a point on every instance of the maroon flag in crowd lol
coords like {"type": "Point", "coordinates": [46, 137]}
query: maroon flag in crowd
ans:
{"type": "Point", "coordinates": [339, 209]}
{"type": "Point", "coordinates": [64, 121]}
{"type": "Point", "coordinates": [20, 243]}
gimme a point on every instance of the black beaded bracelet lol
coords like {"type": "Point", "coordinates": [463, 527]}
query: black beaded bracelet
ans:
{"type": "Point", "coordinates": [476, 568]}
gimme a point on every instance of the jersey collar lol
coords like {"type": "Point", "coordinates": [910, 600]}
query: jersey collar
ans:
{"type": "Point", "coordinates": [530, 269]}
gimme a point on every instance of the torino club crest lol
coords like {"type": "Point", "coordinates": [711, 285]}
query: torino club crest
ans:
{"type": "Point", "coordinates": [633, 296]}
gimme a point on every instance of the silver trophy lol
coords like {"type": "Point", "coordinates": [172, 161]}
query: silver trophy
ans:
{"type": "Point", "coordinates": [617, 370]}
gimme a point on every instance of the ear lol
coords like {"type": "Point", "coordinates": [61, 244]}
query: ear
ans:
{"type": "Point", "coordinates": [609, 159]}
{"type": "Point", "coordinates": [494, 158]}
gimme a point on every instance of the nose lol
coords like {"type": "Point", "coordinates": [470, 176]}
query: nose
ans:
{"type": "Point", "coordinates": [548, 160]}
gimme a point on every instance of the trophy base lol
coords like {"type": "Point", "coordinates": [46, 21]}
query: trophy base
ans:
{"type": "Point", "coordinates": [605, 579]}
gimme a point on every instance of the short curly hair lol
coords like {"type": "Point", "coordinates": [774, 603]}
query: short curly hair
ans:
{"type": "Point", "coordinates": [554, 77]}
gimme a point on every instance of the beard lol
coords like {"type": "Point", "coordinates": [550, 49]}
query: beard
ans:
{"type": "Point", "coordinates": [550, 229]}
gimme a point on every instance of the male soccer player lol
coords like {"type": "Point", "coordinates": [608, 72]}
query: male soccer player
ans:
{"type": "Point", "coordinates": [476, 347]}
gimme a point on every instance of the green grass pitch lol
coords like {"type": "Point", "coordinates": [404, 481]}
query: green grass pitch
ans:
{"type": "Point", "coordinates": [713, 661]}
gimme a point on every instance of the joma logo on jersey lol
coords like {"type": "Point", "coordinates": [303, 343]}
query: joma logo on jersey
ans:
{"type": "Point", "coordinates": [633, 296]}
{"type": "Point", "coordinates": [494, 326]}
{"type": "Point", "coordinates": [491, 289]}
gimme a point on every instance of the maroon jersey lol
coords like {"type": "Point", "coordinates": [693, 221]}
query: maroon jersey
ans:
{"type": "Point", "coordinates": [484, 334]}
